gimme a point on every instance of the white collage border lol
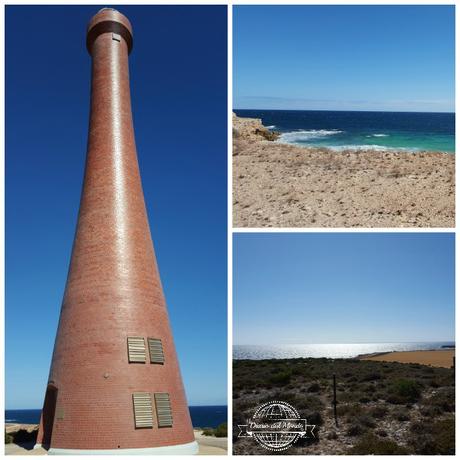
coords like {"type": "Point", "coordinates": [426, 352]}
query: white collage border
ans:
{"type": "Point", "coordinates": [230, 229]}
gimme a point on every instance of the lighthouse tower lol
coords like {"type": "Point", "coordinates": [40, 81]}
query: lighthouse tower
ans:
{"type": "Point", "coordinates": [114, 385]}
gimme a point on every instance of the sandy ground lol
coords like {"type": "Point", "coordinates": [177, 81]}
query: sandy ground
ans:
{"type": "Point", "coordinates": [281, 185]}
{"type": "Point", "coordinates": [208, 445]}
{"type": "Point", "coordinates": [436, 358]}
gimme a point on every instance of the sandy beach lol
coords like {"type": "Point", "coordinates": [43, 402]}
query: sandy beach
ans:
{"type": "Point", "coordinates": [208, 445]}
{"type": "Point", "coordinates": [283, 185]}
{"type": "Point", "coordinates": [435, 358]}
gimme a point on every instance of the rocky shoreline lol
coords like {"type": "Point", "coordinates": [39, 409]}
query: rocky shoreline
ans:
{"type": "Point", "coordinates": [283, 185]}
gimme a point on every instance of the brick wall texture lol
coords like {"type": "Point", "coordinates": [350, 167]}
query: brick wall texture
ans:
{"type": "Point", "coordinates": [113, 288]}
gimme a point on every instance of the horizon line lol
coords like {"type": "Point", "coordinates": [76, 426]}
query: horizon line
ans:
{"type": "Point", "coordinates": [191, 405]}
{"type": "Point", "coordinates": [343, 110]}
{"type": "Point", "coordinates": [340, 343]}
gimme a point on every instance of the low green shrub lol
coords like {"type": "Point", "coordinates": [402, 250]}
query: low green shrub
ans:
{"type": "Point", "coordinates": [8, 438]}
{"type": "Point", "coordinates": [401, 415]}
{"type": "Point", "coordinates": [349, 409]}
{"type": "Point", "coordinates": [437, 438]}
{"type": "Point", "coordinates": [221, 431]}
{"type": "Point", "coordinates": [355, 430]}
{"type": "Point", "coordinates": [370, 444]}
{"type": "Point", "coordinates": [404, 391]}
{"type": "Point", "coordinates": [314, 418]}
{"type": "Point", "coordinates": [366, 421]}
{"type": "Point", "coordinates": [371, 377]}
{"type": "Point", "coordinates": [444, 399]}
{"type": "Point", "coordinates": [314, 388]}
{"type": "Point", "coordinates": [280, 378]}
{"type": "Point", "coordinates": [378, 412]}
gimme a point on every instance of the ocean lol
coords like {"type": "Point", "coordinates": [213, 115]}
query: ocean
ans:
{"type": "Point", "coordinates": [333, 350]}
{"type": "Point", "coordinates": [202, 416]}
{"type": "Point", "coordinates": [340, 130]}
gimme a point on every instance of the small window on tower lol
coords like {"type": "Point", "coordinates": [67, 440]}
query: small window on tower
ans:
{"type": "Point", "coordinates": [163, 408]}
{"type": "Point", "coordinates": [136, 350]}
{"type": "Point", "coordinates": [143, 414]}
{"type": "Point", "coordinates": [116, 37]}
{"type": "Point", "coordinates": [156, 351]}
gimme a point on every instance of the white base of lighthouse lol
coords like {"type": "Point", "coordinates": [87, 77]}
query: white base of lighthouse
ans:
{"type": "Point", "coordinates": [190, 448]}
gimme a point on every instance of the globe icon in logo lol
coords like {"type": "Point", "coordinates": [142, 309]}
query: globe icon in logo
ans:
{"type": "Point", "coordinates": [276, 410]}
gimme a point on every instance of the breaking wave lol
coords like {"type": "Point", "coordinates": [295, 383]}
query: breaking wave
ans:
{"type": "Point", "coordinates": [292, 137]}
{"type": "Point", "coordinates": [378, 148]}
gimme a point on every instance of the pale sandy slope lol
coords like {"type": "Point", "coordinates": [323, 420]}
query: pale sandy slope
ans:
{"type": "Point", "coordinates": [280, 185]}
{"type": "Point", "coordinates": [436, 358]}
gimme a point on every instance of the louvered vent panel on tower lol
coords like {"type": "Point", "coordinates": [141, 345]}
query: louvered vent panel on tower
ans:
{"type": "Point", "coordinates": [143, 414]}
{"type": "Point", "coordinates": [163, 408]}
{"type": "Point", "coordinates": [156, 351]}
{"type": "Point", "coordinates": [136, 350]}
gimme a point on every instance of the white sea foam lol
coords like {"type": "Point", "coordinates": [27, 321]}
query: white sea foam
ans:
{"type": "Point", "coordinates": [293, 137]}
{"type": "Point", "coordinates": [380, 135]}
{"type": "Point", "coordinates": [376, 147]}
{"type": "Point", "coordinates": [271, 127]}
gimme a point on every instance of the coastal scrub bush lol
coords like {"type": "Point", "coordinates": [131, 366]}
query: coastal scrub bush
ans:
{"type": "Point", "coordinates": [401, 415]}
{"type": "Point", "coordinates": [314, 418]}
{"type": "Point", "coordinates": [404, 391]}
{"type": "Point", "coordinates": [22, 436]}
{"type": "Point", "coordinates": [280, 378]}
{"type": "Point", "coordinates": [430, 411]}
{"type": "Point", "coordinates": [349, 409]}
{"type": "Point", "coordinates": [378, 412]}
{"type": "Point", "coordinates": [309, 402]}
{"type": "Point", "coordinates": [366, 421]}
{"type": "Point", "coordinates": [355, 430]}
{"type": "Point", "coordinates": [314, 388]}
{"type": "Point", "coordinates": [370, 444]}
{"type": "Point", "coordinates": [371, 377]}
{"type": "Point", "coordinates": [208, 432]}
{"type": "Point", "coordinates": [444, 400]}
{"type": "Point", "coordinates": [8, 438]}
{"type": "Point", "coordinates": [221, 431]}
{"type": "Point", "coordinates": [435, 438]}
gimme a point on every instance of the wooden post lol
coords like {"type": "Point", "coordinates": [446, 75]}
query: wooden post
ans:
{"type": "Point", "coordinates": [334, 402]}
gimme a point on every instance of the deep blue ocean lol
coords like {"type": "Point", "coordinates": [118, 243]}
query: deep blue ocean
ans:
{"type": "Point", "coordinates": [202, 416]}
{"type": "Point", "coordinates": [409, 131]}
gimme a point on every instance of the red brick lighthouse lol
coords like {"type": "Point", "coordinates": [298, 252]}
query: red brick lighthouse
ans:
{"type": "Point", "coordinates": [114, 385]}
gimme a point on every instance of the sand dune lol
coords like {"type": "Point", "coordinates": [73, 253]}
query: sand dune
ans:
{"type": "Point", "coordinates": [436, 358]}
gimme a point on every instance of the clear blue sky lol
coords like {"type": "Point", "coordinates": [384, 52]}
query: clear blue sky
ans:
{"type": "Point", "coordinates": [179, 86]}
{"type": "Point", "coordinates": [343, 288]}
{"type": "Point", "coordinates": [390, 58]}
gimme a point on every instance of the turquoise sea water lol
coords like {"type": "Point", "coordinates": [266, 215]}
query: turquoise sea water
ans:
{"type": "Point", "coordinates": [408, 131]}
